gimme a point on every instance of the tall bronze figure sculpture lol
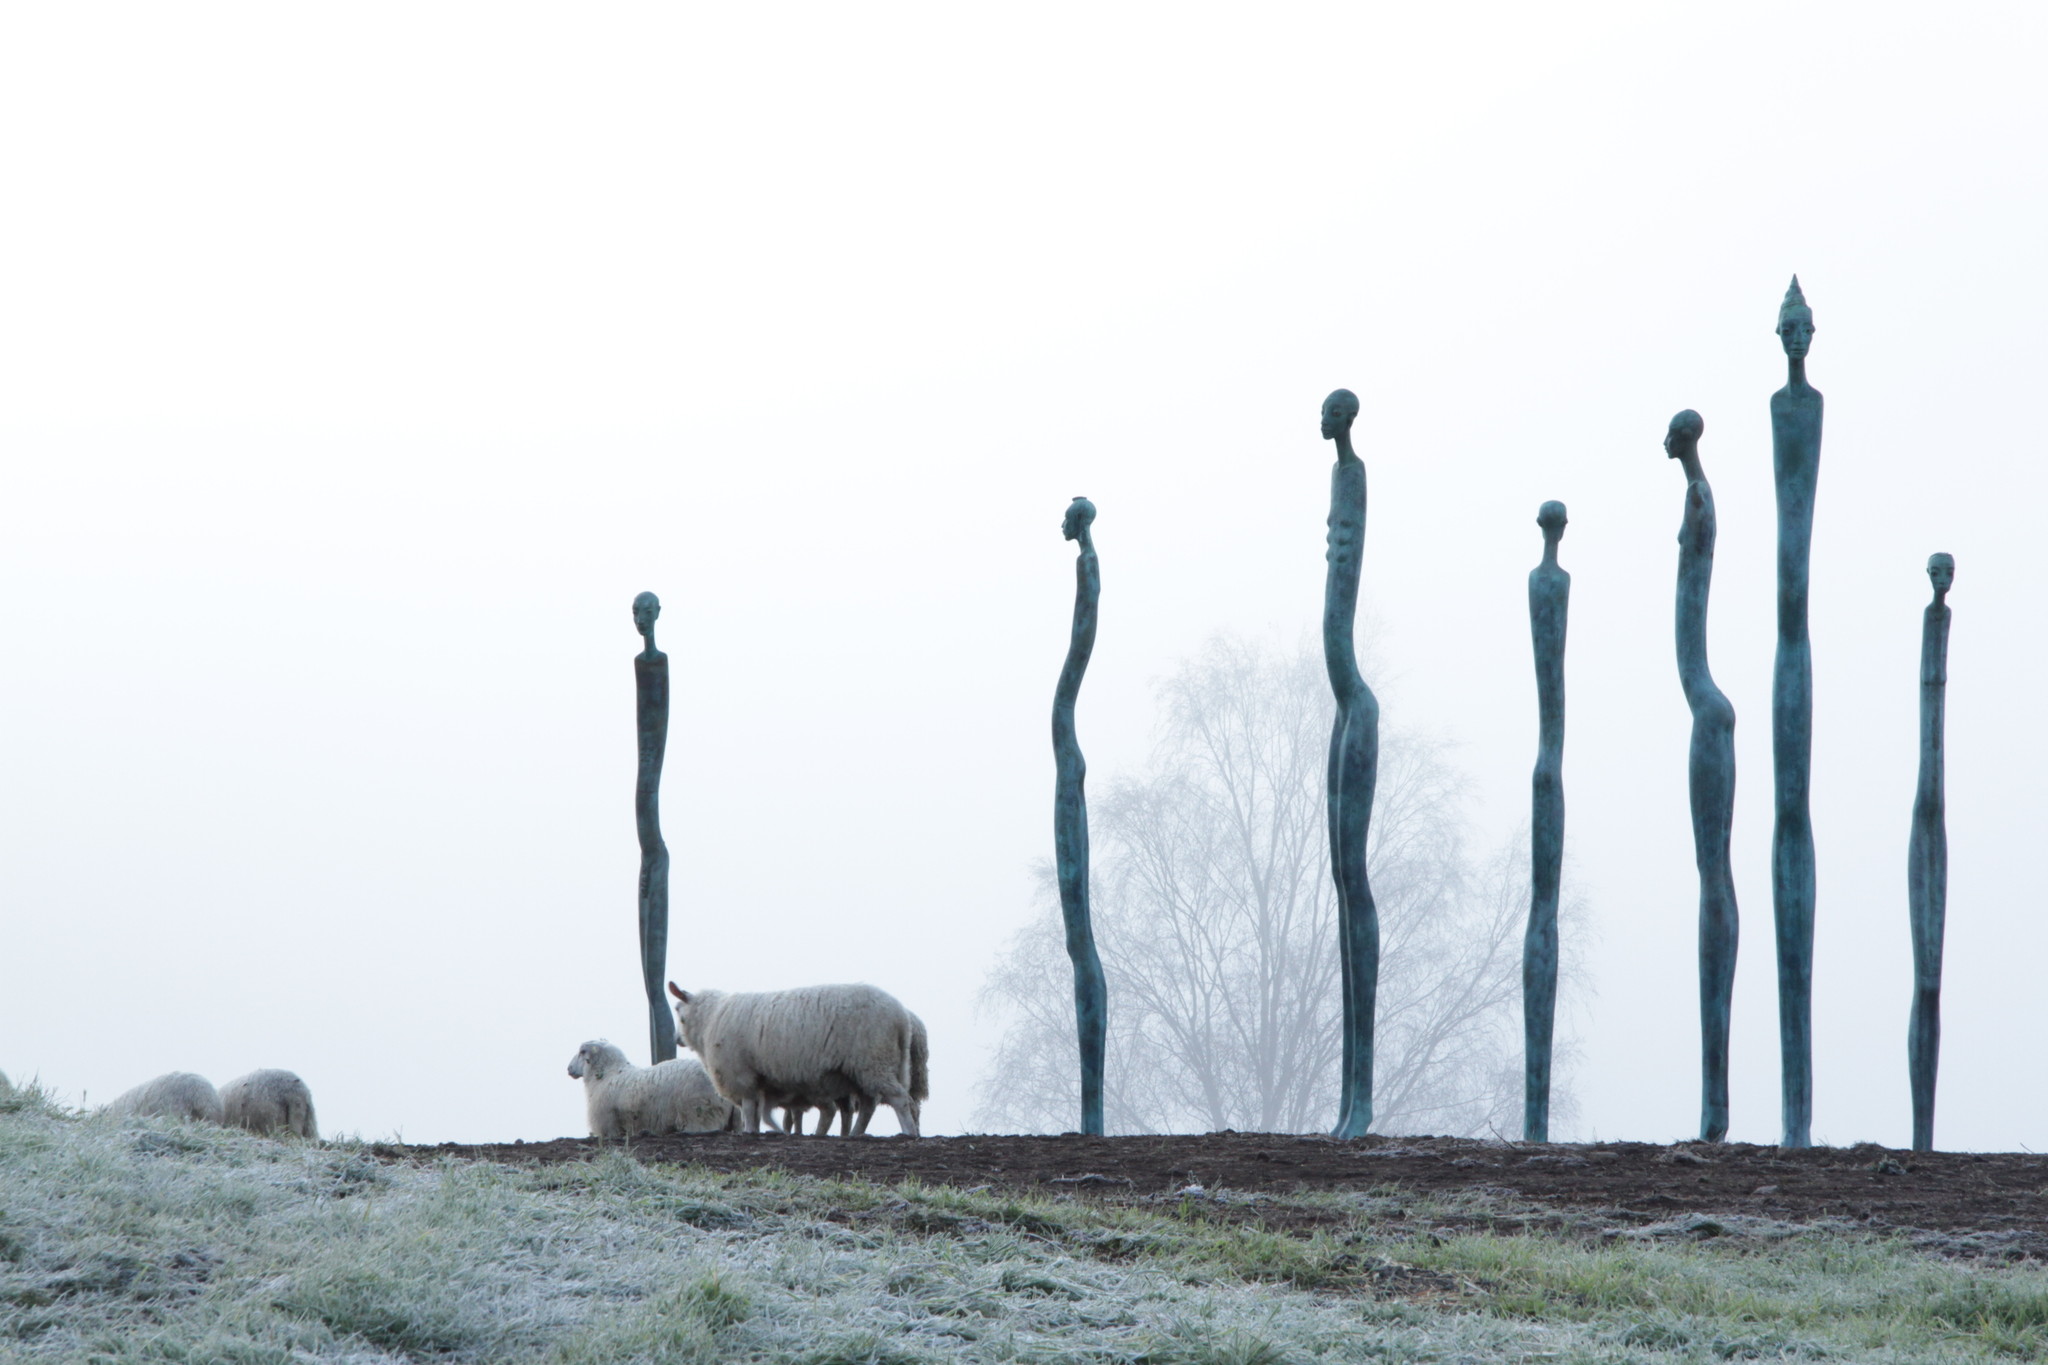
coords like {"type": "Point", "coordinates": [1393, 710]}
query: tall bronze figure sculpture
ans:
{"type": "Point", "coordinates": [1795, 460]}
{"type": "Point", "coordinates": [1550, 596]}
{"type": "Point", "coordinates": [1710, 775]}
{"type": "Point", "coordinates": [1070, 821]}
{"type": "Point", "coordinates": [650, 686]}
{"type": "Point", "coordinates": [1354, 770]}
{"type": "Point", "coordinates": [1927, 855]}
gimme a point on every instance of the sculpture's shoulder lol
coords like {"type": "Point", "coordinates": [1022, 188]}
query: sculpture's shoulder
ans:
{"type": "Point", "coordinates": [1795, 399]}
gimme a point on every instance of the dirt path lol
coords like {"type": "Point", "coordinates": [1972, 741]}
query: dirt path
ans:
{"type": "Point", "coordinates": [1999, 1194]}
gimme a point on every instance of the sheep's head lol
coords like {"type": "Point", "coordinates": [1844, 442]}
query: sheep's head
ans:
{"type": "Point", "coordinates": [688, 1016]}
{"type": "Point", "coordinates": [595, 1060]}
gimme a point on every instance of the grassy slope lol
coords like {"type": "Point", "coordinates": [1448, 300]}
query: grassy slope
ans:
{"type": "Point", "coordinates": [152, 1241]}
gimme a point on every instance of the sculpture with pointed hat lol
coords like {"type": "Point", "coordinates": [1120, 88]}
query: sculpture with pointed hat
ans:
{"type": "Point", "coordinates": [1796, 412]}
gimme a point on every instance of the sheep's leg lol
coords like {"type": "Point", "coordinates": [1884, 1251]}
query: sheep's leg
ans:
{"type": "Point", "coordinates": [845, 1118]}
{"type": "Point", "coordinates": [824, 1120]}
{"type": "Point", "coordinates": [750, 1114]}
{"type": "Point", "coordinates": [865, 1112]}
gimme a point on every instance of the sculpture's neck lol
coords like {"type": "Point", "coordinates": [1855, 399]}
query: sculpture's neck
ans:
{"type": "Point", "coordinates": [1550, 552]}
{"type": "Point", "coordinates": [1690, 460]}
{"type": "Point", "coordinates": [1795, 371]}
{"type": "Point", "coordinates": [1085, 542]}
{"type": "Point", "coordinates": [1344, 450]}
{"type": "Point", "coordinates": [1940, 603]}
{"type": "Point", "coordinates": [650, 652]}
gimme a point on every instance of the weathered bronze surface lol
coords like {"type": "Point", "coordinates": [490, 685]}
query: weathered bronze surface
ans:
{"type": "Point", "coordinates": [1927, 854]}
{"type": "Point", "coordinates": [1070, 820]}
{"type": "Point", "coordinates": [1354, 771]}
{"type": "Point", "coordinates": [1710, 776]}
{"type": "Point", "coordinates": [1550, 595]}
{"type": "Point", "coordinates": [1796, 412]}
{"type": "Point", "coordinates": [650, 686]}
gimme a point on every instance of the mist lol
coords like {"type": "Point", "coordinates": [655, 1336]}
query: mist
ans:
{"type": "Point", "coordinates": [358, 368]}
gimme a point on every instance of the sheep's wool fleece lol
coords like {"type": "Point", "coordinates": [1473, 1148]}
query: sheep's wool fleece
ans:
{"type": "Point", "coordinates": [624, 1100]}
{"type": "Point", "coordinates": [789, 1040]}
{"type": "Point", "coordinates": [269, 1101]}
{"type": "Point", "coordinates": [174, 1095]}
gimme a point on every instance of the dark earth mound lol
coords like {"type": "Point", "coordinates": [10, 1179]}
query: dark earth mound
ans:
{"type": "Point", "coordinates": [1999, 1201]}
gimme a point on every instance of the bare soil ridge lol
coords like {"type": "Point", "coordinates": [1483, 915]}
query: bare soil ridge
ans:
{"type": "Point", "coordinates": [1997, 1193]}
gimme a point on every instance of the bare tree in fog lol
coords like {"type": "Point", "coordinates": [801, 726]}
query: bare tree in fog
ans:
{"type": "Point", "coordinates": [1217, 922]}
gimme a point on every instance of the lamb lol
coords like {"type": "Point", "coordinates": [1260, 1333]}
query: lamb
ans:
{"type": "Point", "coordinates": [835, 1095]}
{"type": "Point", "coordinates": [624, 1100]}
{"type": "Point", "coordinates": [268, 1101]}
{"type": "Point", "coordinates": [174, 1095]}
{"type": "Point", "coordinates": [801, 1046]}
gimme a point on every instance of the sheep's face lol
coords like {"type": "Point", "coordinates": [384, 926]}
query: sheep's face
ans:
{"type": "Point", "coordinates": [594, 1060]}
{"type": "Point", "coordinates": [688, 1020]}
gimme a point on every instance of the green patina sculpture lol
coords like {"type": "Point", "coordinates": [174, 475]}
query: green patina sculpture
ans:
{"type": "Point", "coordinates": [1795, 455]}
{"type": "Point", "coordinates": [650, 686]}
{"type": "Point", "coordinates": [1353, 772]}
{"type": "Point", "coordinates": [1927, 855]}
{"type": "Point", "coordinates": [1550, 594]}
{"type": "Point", "coordinates": [1710, 775]}
{"type": "Point", "coordinates": [1070, 821]}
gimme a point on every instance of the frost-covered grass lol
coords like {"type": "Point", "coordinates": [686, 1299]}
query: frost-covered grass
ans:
{"type": "Point", "coordinates": [148, 1241]}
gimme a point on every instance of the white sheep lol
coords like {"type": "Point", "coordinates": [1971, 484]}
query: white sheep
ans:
{"type": "Point", "coordinates": [624, 1100]}
{"type": "Point", "coordinates": [268, 1101]}
{"type": "Point", "coordinates": [174, 1095]}
{"type": "Point", "coordinates": [767, 1047]}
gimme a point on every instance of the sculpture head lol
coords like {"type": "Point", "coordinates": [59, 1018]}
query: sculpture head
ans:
{"type": "Point", "coordinates": [1683, 438]}
{"type": "Point", "coordinates": [1550, 516]}
{"type": "Point", "coordinates": [1338, 411]}
{"type": "Point", "coordinates": [645, 608]}
{"type": "Point", "coordinates": [1080, 515]}
{"type": "Point", "coordinates": [1795, 322]}
{"type": "Point", "coordinates": [1941, 571]}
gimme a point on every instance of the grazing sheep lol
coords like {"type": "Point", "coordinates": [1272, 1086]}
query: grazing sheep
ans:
{"type": "Point", "coordinates": [268, 1101]}
{"type": "Point", "coordinates": [624, 1100]}
{"type": "Point", "coordinates": [766, 1047]}
{"type": "Point", "coordinates": [174, 1095]}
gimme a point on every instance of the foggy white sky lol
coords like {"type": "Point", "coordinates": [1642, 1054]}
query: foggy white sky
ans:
{"type": "Point", "coordinates": [357, 367]}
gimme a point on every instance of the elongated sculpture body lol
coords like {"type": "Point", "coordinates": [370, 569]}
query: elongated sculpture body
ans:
{"type": "Point", "coordinates": [1927, 855]}
{"type": "Point", "coordinates": [1795, 459]}
{"type": "Point", "coordinates": [1710, 775]}
{"type": "Point", "coordinates": [1070, 821]}
{"type": "Point", "coordinates": [1354, 771]}
{"type": "Point", "coordinates": [1550, 596]}
{"type": "Point", "coordinates": [650, 686]}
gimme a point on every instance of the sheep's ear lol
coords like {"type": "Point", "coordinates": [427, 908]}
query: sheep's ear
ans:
{"type": "Point", "coordinates": [679, 993]}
